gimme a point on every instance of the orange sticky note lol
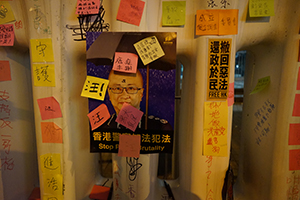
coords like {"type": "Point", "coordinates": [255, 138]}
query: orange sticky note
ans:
{"type": "Point", "coordinates": [98, 116]}
{"type": "Point", "coordinates": [294, 159]}
{"type": "Point", "coordinates": [129, 145]}
{"type": "Point", "coordinates": [294, 134]}
{"type": "Point", "coordinates": [7, 35]}
{"type": "Point", "coordinates": [51, 133]}
{"type": "Point", "coordinates": [49, 108]}
{"type": "Point", "coordinates": [99, 192]}
{"type": "Point", "coordinates": [125, 62]}
{"type": "Point", "coordinates": [131, 11]}
{"type": "Point", "coordinates": [298, 81]}
{"type": "Point", "coordinates": [296, 109]}
{"type": "Point", "coordinates": [230, 98]}
{"type": "Point", "coordinates": [129, 116]}
{"type": "Point", "coordinates": [85, 7]}
{"type": "Point", "coordinates": [228, 21]}
{"type": "Point", "coordinates": [207, 22]}
{"type": "Point", "coordinates": [5, 71]}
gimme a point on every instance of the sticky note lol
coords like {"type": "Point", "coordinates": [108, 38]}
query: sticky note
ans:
{"type": "Point", "coordinates": [51, 133]}
{"type": "Point", "coordinates": [49, 108]}
{"type": "Point", "coordinates": [230, 98]}
{"type": "Point", "coordinates": [85, 7]}
{"type": "Point", "coordinates": [52, 197]}
{"type": "Point", "coordinates": [43, 75]}
{"type": "Point", "coordinates": [173, 13]}
{"type": "Point", "coordinates": [298, 80]}
{"type": "Point", "coordinates": [7, 35]}
{"type": "Point", "coordinates": [99, 192]}
{"type": "Point", "coordinates": [129, 116]}
{"type": "Point", "coordinates": [129, 145]}
{"type": "Point", "coordinates": [261, 8]}
{"type": "Point", "coordinates": [50, 163]}
{"type": "Point", "coordinates": [98, 116]}
{"type": "Point", "coordinates": [207, 22]}
{"type": "Point", "coordinates": [261, 84]}
{"type": "Point", "coordinates": [296, 108]}
{"type": "Point", "coordinates": [294, 134]}
{"type": "Point", "coordinates": [125, 62]}
{"type": "Point", "coordinates": [7, 14]}
{"type": "Point", "coordinates": [149, 49]}
{"type": "Point", "coordinates": [294, 159]}
{"type": "Point", "coordinates": [53, 184]}
{"type": "Point", "coordinates": [131, 11]}
{"type": "Point", "coordinates": [299, 50]}
{"type": "Point", "coordinates": [94, 88]}
{"type": "Point", "coordinates": [41, 50]}
{"type": "Point", "coordinates": [215, 128]}
{"type": "Point", "coordinates": [5, 74]}
{"type": "Point", "coordinates": [228, 22]}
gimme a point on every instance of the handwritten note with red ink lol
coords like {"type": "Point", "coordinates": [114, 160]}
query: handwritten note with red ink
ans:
{"type": "Point", "coordinates": [86, 7]}
{"type": "Point", "coordinates": [230, 98]}
{"type": "Point", "coordinates": [125, 62]}
{"type": "Point", "coordinates": [129, 116]}
{"type": "Point", "coordinates": [294, 159]}
{"type": "Point", "coordinates": [51, 133]}
{"type": "Point", "coordinates": [5, 71]}
{"type": "Point", "coordinates": [131, 11]}
{"type": "Point", "coordinates": [296, 109]}
{"type": "Point", "coordinates": [98, 116]}
{"type": "Point", "coordinates": [49, 108]}
{"type": "Point", "coordinates": [7, 35]}
{"type": "Point", "coordinates": [294, 134]}
{"type": "Point", "coordinates": [129, 145]}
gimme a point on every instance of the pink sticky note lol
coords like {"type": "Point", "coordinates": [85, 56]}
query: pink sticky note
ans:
{"type": "Point", "coordinates": [125, 62]}
{"type": "Point", "coordinates": [294, 134]}
{"type": "Point", "coordinates": [129, 116]}
{"type": "Point", "coordinates": [294, 159]}
{"type": "Point", "coordinates": [5, 71]}
{"type": "Point", "coordinates": [86, 7]}
{"type": "Point", "coordinates": [51, 133]}
{"type": "Point", "coordinates": [230, 98]}
{"type": "Point", "coordinates": [298, 81]}
{"type": "Point", "coordinates": [131, 11]}
{"type": "Point", "coordinates": [296, 109]}
{"type": "Point", "coordinates": [129, 145]}
{"type": "Point", "coordinates": [7, 35]}
{"type": "Point", "coordinates": [98, 116]}
{"type": "Point", "coordinates": [49, 108]}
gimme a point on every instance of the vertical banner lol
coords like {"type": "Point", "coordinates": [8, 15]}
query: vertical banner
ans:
{"type": "Point", "coordinates": [218, 69]}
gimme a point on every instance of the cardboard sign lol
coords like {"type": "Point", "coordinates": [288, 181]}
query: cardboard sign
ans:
{"type": "Point", "coordinates": [5, 74]}
{"type": "Point", "coordinates": [125, 62]}
{"type": "Point", "coordinates": [98, 116]}
{"type": "Point", "coordinates": [85, 7]}
{"type": "Point", "coordinates": [94, 88]}
{"type": "Point", "coordinates": [7, 35]}
{"type": "Point", "coordinates": [129, 145]}
{"type": "Point", "coordinates": [261, 8]}
{"type": "Point", "coordinates": [41, 50]}
{"type": "Point", "coordinates": [131, 11]}
{"type": "Point", "coordinates": [49, 108]}
{"type": "Point", "coordinates": [173, 13]}
{"type": "Point", "coordinates": [129, 116]}
{"type": "Point", "coordinates": [43, 75]}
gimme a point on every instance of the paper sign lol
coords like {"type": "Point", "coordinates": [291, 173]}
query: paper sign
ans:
{"type": "Point", "coordinates": [41, 50]}
{"type": "Point", "coordinates": [207, 22]}
{"type": "Point", "coordinates": [298, 80]}
{"type": "Point", "coordinates": [129, 145]}
{"type": "Point", "coordinates": [173, 13]}
{"type": "Point", "coordinates": [51, 133]}
{"type": "Point", "coordinates": [261, 84]}
{"type": "Point", "coordinates": [125, 62]}
{"type": "Point", "coordinates": [53, 184]}
{"type": "Point", "coordinates": [261, 8]}
{"type": "Point", "coordinates": [149, 49]}
{"type": "Point", "coordinates": [94, 88]}
{"type": "Point", "coordinates": [230, 99]}
{"type": "Point", "coordinates": [43, 75]}
{"type": "Point", "coordinates": [294, 134]}
{"type": "Point", "coordinates": [49, 108]}
{"type": "Point", "coordinates": [85, 7]}
{"type": "Point", "coordinates": [5, 71]}
{"type": "Point", "coordinates": [7, 35]}
{"type": "Point", "coordinates": [50, 163]}
{"type": "Point", "coordinates": [215, 128]}
{"type": "Point", "coordinates": [98, 116]}
{"type": "Point", "coordinates": [228, 22]}
{"type": "Point", "coordinates": [131, 11]}
{"type": "Point", "coordinates": [294, 159]}
{"type": "Point", "coordinates": [129, 116]}
{"type": "Point", "coordinates": [7, 14]}
{"type": "Point", "coordinates": [296, 109]}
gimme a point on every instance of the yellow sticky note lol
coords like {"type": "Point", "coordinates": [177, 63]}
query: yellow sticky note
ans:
{"type": "Point", "coordinates": [53, 184]}
{"type": "Point", "coordinates": [215, 128]}
{"type": "Point", "coordinates": [261, 8]}
{"type": "Point", "coordinates": [50, 163]}
{"type": "Point", "coordinates": [6, 13]}
{"type": "Point", "coordinates": [207, 22]}
{"type": "Point", "coordinates": [53, 197]}
{"type": "Point", "coordinates": [43, 75]}
{"type": "Point", "coordinates": [95, 88]}
{"type": "Point", "coordinates": [149, 49]}
{"type": "Point", "coordinates": [261, 84]}
{"type": "Point", "coordinates": [228, 22]}
{"type": "Point", "coordinates": [173, 13]}
{"type": "Point", "coordinates": [41, 50]}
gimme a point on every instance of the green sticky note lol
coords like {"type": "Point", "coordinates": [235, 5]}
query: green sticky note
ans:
{"type": "Point", "coordinates": [173, 13]}
{"type": "Point", "coordinates": [261, 84]}
{"type": "Point", "coordinates": [261, 8]}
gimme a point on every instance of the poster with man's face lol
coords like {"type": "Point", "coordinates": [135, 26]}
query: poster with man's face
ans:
{"type": "Point", "coordinates": [140, 68]}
